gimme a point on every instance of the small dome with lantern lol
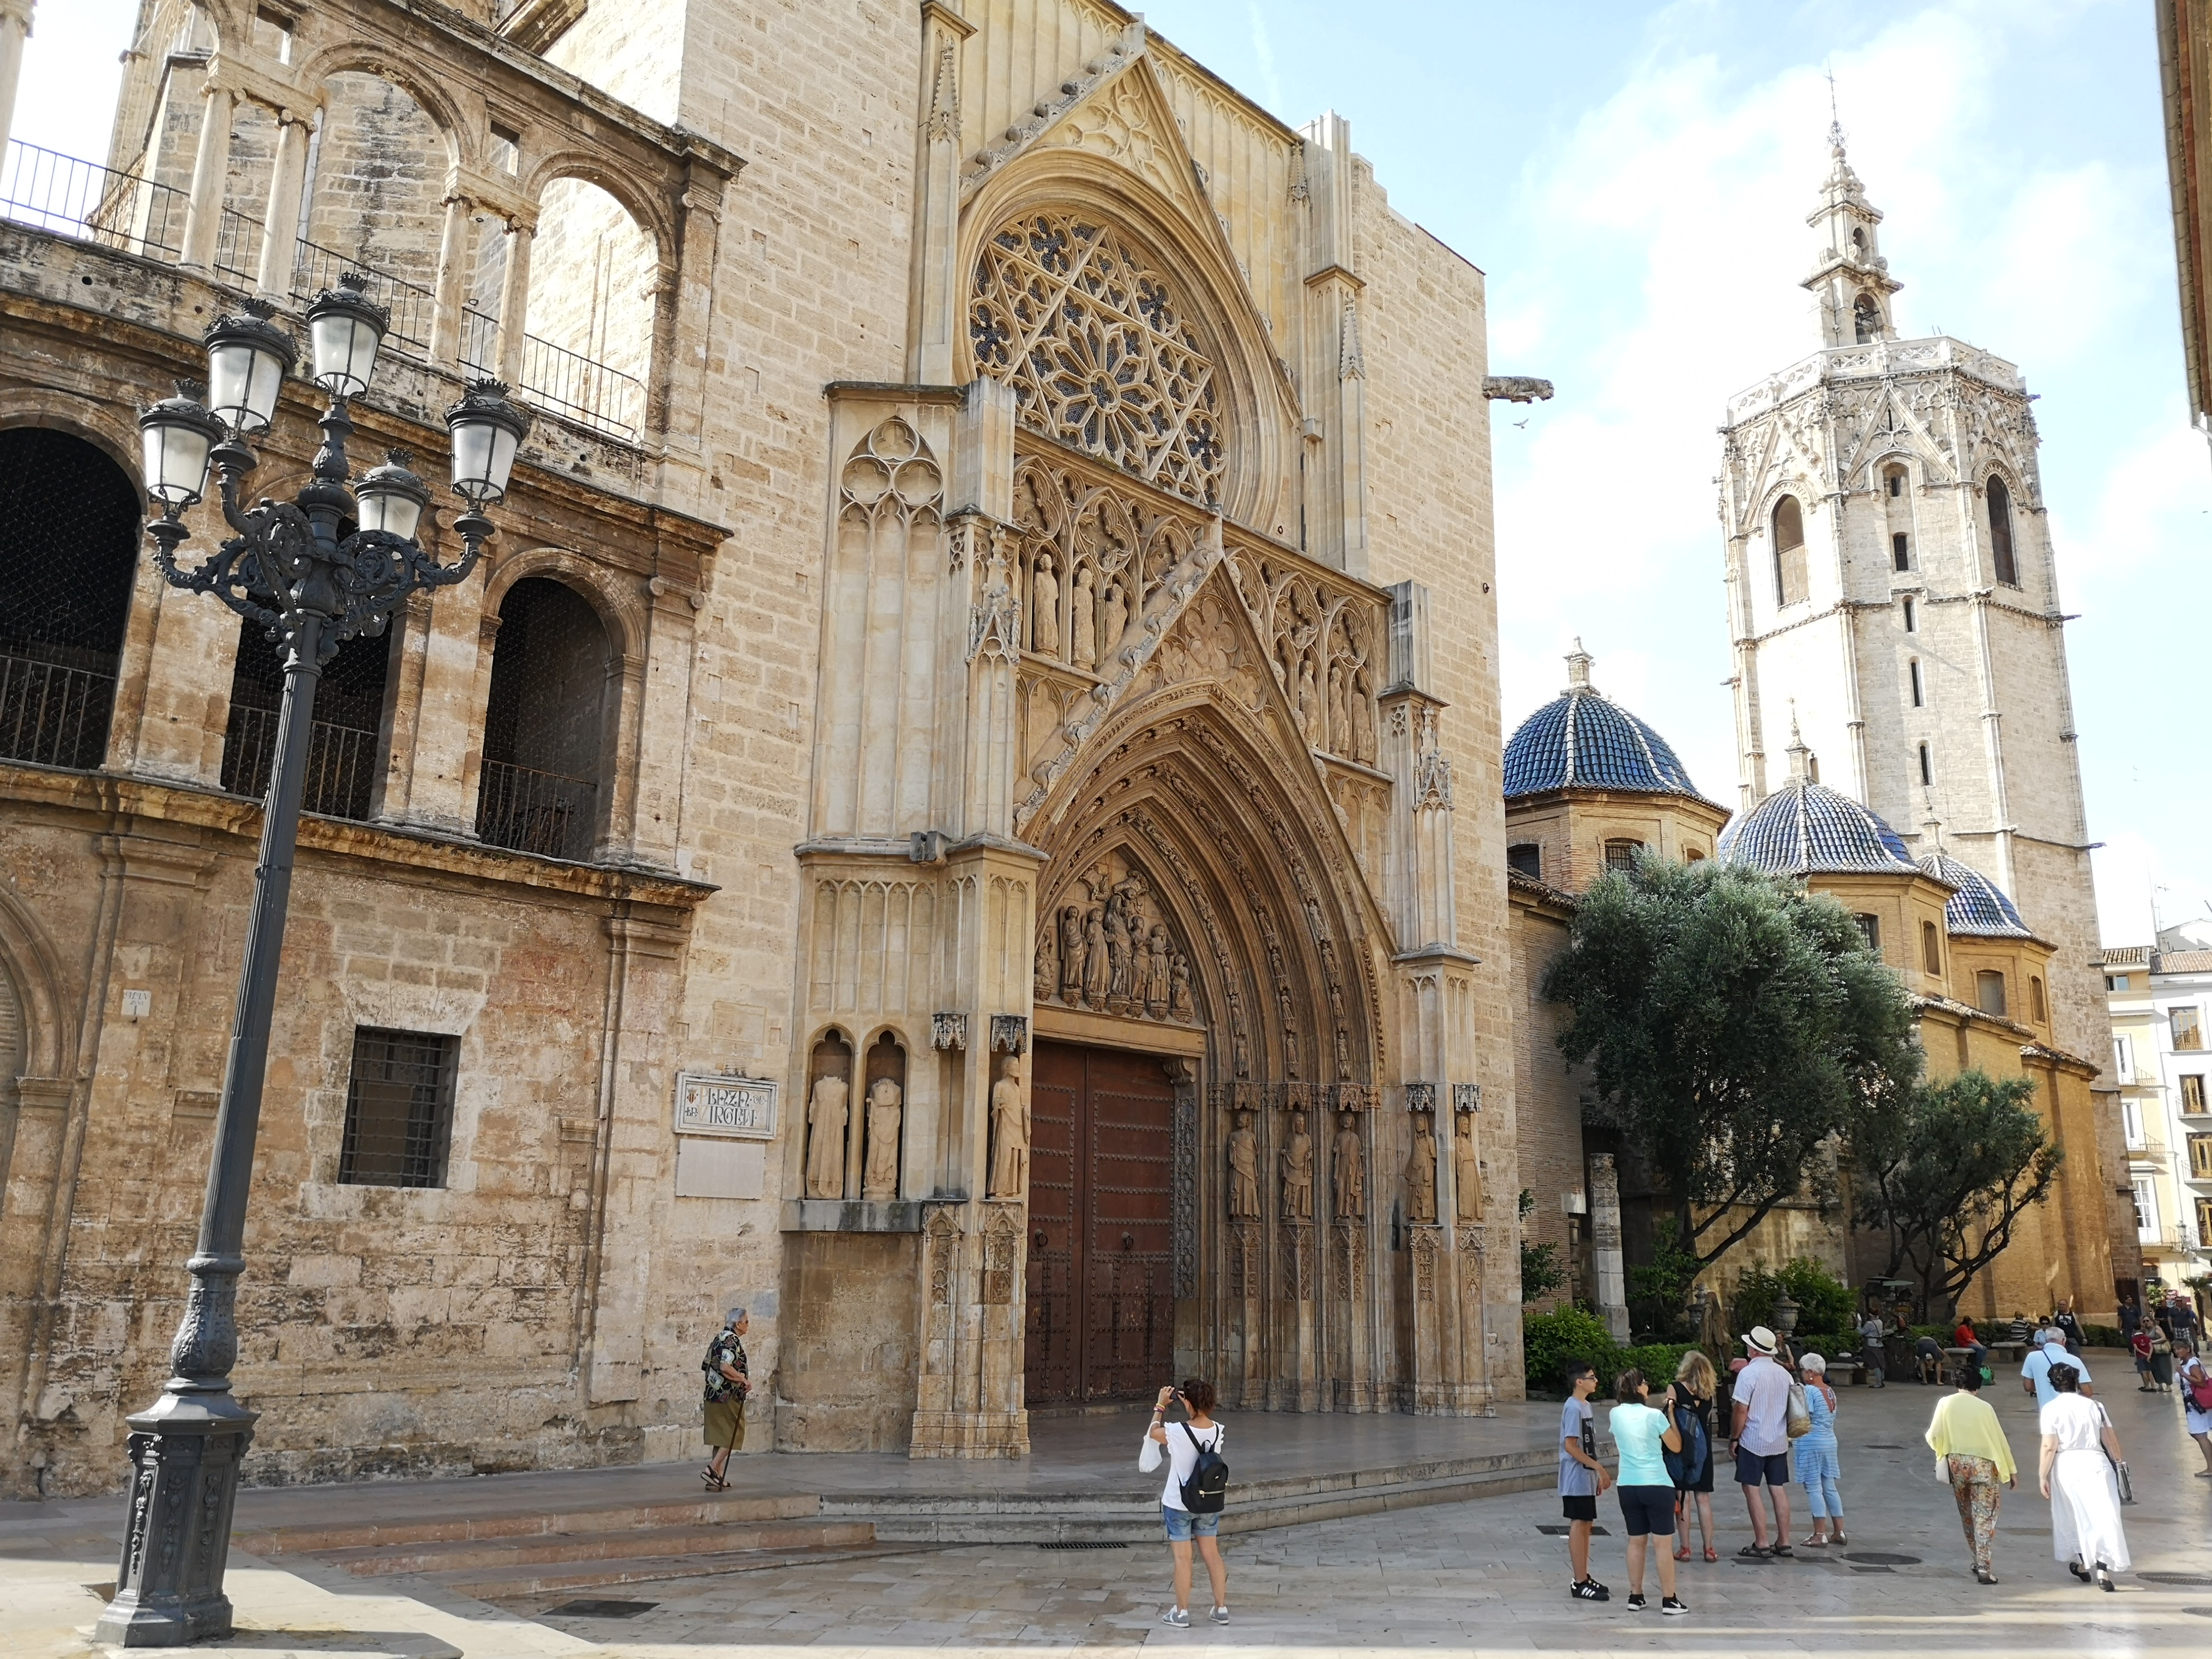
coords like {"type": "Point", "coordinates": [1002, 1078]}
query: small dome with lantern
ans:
{"type": "Point", "coordinates": [1977, 907]}
{"type": "Point", "coordinates": [1805, 828]}
{"type": "Point", "coordinates": [1582, 740]}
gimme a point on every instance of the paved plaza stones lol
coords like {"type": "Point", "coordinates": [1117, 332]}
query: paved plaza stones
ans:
{"type": "Point", "coordinates": [1469, 1577]}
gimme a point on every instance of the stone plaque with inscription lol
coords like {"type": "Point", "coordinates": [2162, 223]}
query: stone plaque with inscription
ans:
{"type": "Point", "coordinates": [738, 1108]}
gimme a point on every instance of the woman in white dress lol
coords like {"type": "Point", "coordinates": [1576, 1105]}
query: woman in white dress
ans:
{"type": "Point", "coordinates": [2078, 1479]}
{"type": "Point", "coordinates": [2196, 1381]}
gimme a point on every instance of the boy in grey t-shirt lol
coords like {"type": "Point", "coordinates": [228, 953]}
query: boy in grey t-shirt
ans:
{"type": "Point", "coordinates": [1582, 1477]}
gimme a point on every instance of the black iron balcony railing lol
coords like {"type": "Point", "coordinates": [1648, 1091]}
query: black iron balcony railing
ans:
{"type": "Point", "coordinates": [341, 763]}
{"type": "Point", "coordinates": [532, 811]}
{"type": "Point", "coordinates": [53, 714]}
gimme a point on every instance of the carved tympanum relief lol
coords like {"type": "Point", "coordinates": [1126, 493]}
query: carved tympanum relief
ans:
{"type": "Point", "coordinates": [1104, 549]}
{"type": "Point", "coordinates": [1105, 945]}
{"type": "Point", "coordinates": [1099, 351]}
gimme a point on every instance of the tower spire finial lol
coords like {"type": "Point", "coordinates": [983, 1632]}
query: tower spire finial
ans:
{"type": "Point", "coordinates": [1835, 120]}
{"type": "Point", "coordinates": [1578, 668]}
{"type": "Point", "coordinates": [1801, 757]}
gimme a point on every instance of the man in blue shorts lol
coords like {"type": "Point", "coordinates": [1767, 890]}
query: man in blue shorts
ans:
{"type": "Point", "coordinates": [1760, 1433]}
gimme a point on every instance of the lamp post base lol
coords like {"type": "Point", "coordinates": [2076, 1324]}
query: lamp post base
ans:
{"type": "Point", "coordinates": [185, 1456]}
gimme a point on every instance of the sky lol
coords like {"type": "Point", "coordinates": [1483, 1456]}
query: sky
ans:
{"type": "Point", "coordinates": [1634, 180]}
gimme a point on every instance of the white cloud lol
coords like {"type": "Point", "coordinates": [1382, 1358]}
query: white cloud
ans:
{"type": "Point", "coordinates": [1263, 54]}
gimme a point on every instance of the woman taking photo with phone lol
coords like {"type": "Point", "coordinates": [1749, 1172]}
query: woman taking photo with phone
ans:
{"type": "Point", "coordinates": [1192, 1501]}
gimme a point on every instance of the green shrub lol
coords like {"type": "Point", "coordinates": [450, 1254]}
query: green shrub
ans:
{"type": "Point", "coordinates": [1830, 1345]}
{"type": "Point", "coordinates": [2102, 1336]}
{"type": "Point", "coordinates": [1656, 1360]}
{"type": "Point", "coordinates": [1549, 1340]}
{"type": "Point", "coordinates": [1823, 1303]}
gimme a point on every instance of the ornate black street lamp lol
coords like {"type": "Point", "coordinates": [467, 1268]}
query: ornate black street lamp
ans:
{"type": "Point", "coordinates": [292, 569]}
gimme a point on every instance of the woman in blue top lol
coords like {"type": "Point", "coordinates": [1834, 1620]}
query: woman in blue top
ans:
{"type": "Point", "coordinates": [1819, 1469]}
{"type": "Point", "coordinates": [1644, 1436]}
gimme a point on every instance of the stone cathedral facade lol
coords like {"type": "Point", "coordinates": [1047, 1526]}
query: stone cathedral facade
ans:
{"type": "Point", "coordinates": [962, 812]}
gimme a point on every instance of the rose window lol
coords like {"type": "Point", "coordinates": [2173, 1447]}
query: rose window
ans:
{"type": "Point", "coordinates": [1097, 351]}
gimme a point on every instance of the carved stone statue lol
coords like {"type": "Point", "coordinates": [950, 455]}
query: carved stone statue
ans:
{"type": "Point", "coordinates": [1114, 619]}
{"type": "Point", "coordinates": [1095, 967]}
{"type": "Point", "coordinates": [1363, 719]}
{"type": "Point", "coordinates": [1045, 976]}
{"type": "Point", "coordinates": [879, 1175]}
{"type": "Point", "coordinates": [1010, 1132]}
{"type": "Point", "coordinates": [1308, 703]}
{"type": "Point", "coordinates": [1156, 972]}
{"type": "Point", "coordinates": [1117, 951]}
{"type": "Point", "coordinates": [1180, 1004]}
{"type": "Point", "coordinates": [1082, 622]}
{"type": "Point", "coordinates": [1297, 1169]}
{"type": "Point", "coordinates": [1045, 600]}
{"type": "Point", "coordinates": [1348, 1170]}
{"type": "Point", "coordinates": [825, 1138]}
{"type": "Point", "coordinates": [1466, 1170]}
{"type": "Point", "coordinates": [1243, 1171]}
{"type": "Point", "coordinates": [1421, 1172]}
{"type": "Point", "coordinates": [1339, 719]}
{"type": "Point", "coordinates": [1070, 955]}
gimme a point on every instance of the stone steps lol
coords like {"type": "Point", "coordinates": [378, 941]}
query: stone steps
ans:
{"type": "Point", "coordinates": [588, 1545]}
{"type": "Point", "coordinates": [705, 1511]}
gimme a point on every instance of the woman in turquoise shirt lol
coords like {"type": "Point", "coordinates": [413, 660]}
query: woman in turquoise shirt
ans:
{"type": "Point", "coordinates": [1643, 1436]}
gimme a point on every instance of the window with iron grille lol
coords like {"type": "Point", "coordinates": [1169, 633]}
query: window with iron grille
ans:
{"type": "Point", "coordinates": [1526, 857]}
{"type": "Point", "coordinates": [544, 723]}
{"type": "Point", "coordinates": [1869, 930]}
{"type": "Point", "coordinates": [399, 1109]}
{"type": "Point", "coordinates": [1621, 854]}
{"type": "Point", "coordinates": [343, 751]}
{"type": "Point", "coordinates": [69, 543]}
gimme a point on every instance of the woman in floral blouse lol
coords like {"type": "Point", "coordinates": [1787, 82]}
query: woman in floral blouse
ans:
{"type": "Point", "coordinates": [727, 1385]}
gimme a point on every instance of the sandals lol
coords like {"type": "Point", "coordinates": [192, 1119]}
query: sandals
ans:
{"type": "Point", "coordinates": [1683, 1553]}
{"type": "Point", "coordinates": [1785, 1552]}
{"type": "Point", "coordinates": [715, 1482]}
{"type": "Point", "coordinates": [1712, 1554]}
{"type": "Point", "coordinates": [1816, 1543]}
{"type": "Point", "coordinates": [1838, 1537]}
{"type": "Point", "coordinates": [1755, 1551]}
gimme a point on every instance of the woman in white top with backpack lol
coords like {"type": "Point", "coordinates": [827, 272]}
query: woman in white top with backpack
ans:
{"type": "Point", "coordinates": [1196, 1490]}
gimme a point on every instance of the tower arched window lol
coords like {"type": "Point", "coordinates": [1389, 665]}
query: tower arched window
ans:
{"type": "Point", "coordinates": [1866, 319]}
{"type": "Point", "coordinates": [2001, 545]}
{"type": "Point", "coordinates": [544, 723]}
{"type": "Point", "coordinates": [1919, 687]}
{"type": "Point", "coordinates": [69, 542]}
{"type": "Point", "coordinates": [1791, 583]}
{"type": "Point", "coordinates": [1927, 768]}
{"type": "Point", "coordinates": [1911, 615]}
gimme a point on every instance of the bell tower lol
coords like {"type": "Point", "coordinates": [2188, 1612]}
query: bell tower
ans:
{"type": "Point", "coordinates": [1892, 587]}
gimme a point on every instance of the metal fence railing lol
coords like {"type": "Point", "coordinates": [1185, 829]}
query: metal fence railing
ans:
{"type": "Point", "coordinates": [85, 201]}
{"type": "Point", "coordinates": [532, 811]}
{"type": "Point", "coordinates": [341, 763]}
{"type": "Point", "coordinates": [52, 715]}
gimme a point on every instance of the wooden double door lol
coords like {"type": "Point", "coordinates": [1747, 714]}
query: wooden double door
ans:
{"type": "Point", "coordinates": [1100, 1323]}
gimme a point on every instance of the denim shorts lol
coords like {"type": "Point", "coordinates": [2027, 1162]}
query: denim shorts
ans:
{"type": "Point", "coordinates": [1183, 1526]}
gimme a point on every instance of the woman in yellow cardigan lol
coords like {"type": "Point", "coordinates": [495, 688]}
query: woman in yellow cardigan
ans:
{"type": "Point", "coordinates": [1972, 1453]}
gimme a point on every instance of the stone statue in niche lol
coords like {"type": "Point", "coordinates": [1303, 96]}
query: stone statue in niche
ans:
{"type": "Point", "coordinates": [1421, 1172]}
{"type": "Point", "coordinates": [1363, 718]}
{"type": "Point", "coordinates": [1180, 1004]}
{"type": "Point", "coordinates": [1071, 950]}
{"type": "Point", "coordinates": [1348, 1168]}
{"type": "Point", "coordinates": [1308, 703]}
{"type": "Point", "coordinates": [826, 1115]}
{"type": "Point", "coordinates": [1114, 620]}
{"type": "Point", "coordinates": [1082, 622]}
{"type": "Point", "coordinates": [1117, 951]}
{"type": "Point", "coordinates": [1045, 976]}
{"type": "Point", "coordinates": [1010, 1132]}
{"type": "Point", "coordinates": [1095, 966]}
{"type": "Point", "coordinates": [1466, 1170]}
{"type": "Point", "coordinates": [1340, 717]}
{"type": "Point", "coordinates": [879, 1174]}
{"type": "Point", "coordinates": [1297, 1170]}
{"type": "Point", "coordinates": [1243, 1171]}
{"type": "Point", "coordinates": [1156, 972]}
{"type": "Point", "coordinates": [1045, 600]}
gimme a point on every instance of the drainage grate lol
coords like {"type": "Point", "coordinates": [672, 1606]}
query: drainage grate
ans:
{"type": "Point", "coordinates": [1081, 1544]}
{"type": "Point", "coordinates": [1876, 1559]}
{"type": "Point", "coordinates": [2182, 1580]}
{"type": "Point", "coordinates": [1884, 1445]}
{"type": "Point", "coordinates": [1560, 1528]}
{"type": "Point", "coordinates": [1892, 1570]}
{"type": "Point", "coordinates": [590, 1609]}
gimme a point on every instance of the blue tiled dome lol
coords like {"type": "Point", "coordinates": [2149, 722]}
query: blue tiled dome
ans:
{"type": "Point", "coordinates": [1581, 741]}
{"type": "Point", "coordinates": [1807, 829]}
{"type": "Point", "coordinates": [1978, 906]}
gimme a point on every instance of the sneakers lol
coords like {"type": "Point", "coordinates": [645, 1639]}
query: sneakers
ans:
{"type": "Point", "coordinates": [1589, 1589]}
{"type": "Point", "coordinates": [1179, 1617]}
{"type": "Point", "coordinates": [1636, 1602]}
{"type": "Point", "coordinates": [1672, 1606]}
{"type": "Point", "coordinates": [1220, 1615]}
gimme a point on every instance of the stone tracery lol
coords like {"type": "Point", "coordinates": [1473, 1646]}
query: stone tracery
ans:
{"type": "Point", "coordinates": [1098, 350]}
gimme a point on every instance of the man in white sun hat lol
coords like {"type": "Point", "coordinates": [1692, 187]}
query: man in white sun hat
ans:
{"type": "Point", "coordinates": [1760, 1435]}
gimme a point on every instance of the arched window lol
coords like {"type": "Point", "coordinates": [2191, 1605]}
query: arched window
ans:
{"type": "Point", "coordinates": [1790, 579]}
{"type": "Point", "coordinates": [1989, 992]}
{"type": "Point", "coordinates": [68, 541]}
{"type": "Point", "coordinates": [1901, 551]}
{"type": "Point", "coordinates": [1927, 767]}
{"type": "Point", "coordinates": [342, 753]}
{"type": "Point", "coordinates": [2035, 1001]}
{"type": "Point", "coordinates": [1919, 690]}
{"type": "Point", "coordinates": [1911, 615]}
{"type": "Point", "coordinates": [2001, 552]}
{"type": "Point", "coordinates": [1866, 318]}
{"type": "Point", "coordinates": [1894, 480]}
{"type": "Point", "coordinates": [544, 723]}
{"type": "Point", "coordinates": [1931, 950]}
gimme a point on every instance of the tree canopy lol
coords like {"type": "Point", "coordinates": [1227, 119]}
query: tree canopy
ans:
{"type": "Point", "coordinates": [1949, 1174]}
{"type": "Point", "coordinates": [1734, 1027]}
